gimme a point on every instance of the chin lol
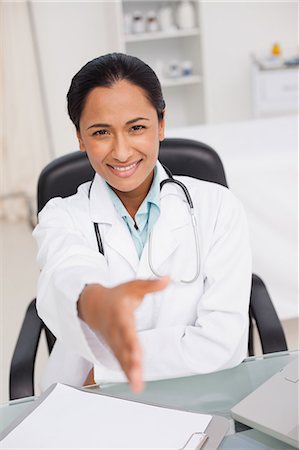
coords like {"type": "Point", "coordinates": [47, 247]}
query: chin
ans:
{"type": "Point", "coordinates": [125, 187]}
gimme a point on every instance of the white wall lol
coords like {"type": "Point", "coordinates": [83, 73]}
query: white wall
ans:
{"type": "Point", "coordinates": [231, 31]}
{"type": "Point", "coordinates": [69, 34]}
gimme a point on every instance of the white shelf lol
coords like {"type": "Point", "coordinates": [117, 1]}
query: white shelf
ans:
{"type": "Point", "coordinates": [181, 81]}
{"type": "Point", "coordinates": [150, 36]}
{"type": "Point", "coordinates": [184, 94]}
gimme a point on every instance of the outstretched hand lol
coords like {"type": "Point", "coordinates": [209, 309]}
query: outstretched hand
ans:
{"type": "Point", "coordinates": [110, 311]}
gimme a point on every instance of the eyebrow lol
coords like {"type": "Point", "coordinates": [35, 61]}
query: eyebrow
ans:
{"type": "Point", "coordinates": [107, 125]}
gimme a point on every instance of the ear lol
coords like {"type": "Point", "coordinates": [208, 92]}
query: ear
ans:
{"type": "Point", "coordinates": [162, 128]}
{"type": "Point", "coordinates": [81, 144]}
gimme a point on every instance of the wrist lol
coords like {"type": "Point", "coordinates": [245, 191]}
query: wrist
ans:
{"type": "Point", "coordinates": [89, 303]}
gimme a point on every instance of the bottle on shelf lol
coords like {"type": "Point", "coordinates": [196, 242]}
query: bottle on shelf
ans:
{"type": "Point", "coordinates": [276, 50]}
{"type": "Point", "coordinates": [187, 68]}
{"type": "Point", "coordinates": [165, 17]}
{"type": "Point", "coordinates": [138, 22]}
{"type": "Point", "coordinates": [185, 15]}
{"type": "Point", "coordinates": [152, 24]}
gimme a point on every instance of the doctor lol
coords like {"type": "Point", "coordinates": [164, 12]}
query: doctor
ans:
{"type": "Point", "coordinates": [132, 285]}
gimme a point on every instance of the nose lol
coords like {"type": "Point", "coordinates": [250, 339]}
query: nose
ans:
{"type": "Point", "coordinates": [121, 149]}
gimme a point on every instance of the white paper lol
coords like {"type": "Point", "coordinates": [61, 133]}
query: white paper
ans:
{"type": "Point", "coordinates": [72, 419]}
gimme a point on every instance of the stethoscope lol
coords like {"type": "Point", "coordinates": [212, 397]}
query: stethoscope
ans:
{"type": "Point", "coordinates": [170, 179]}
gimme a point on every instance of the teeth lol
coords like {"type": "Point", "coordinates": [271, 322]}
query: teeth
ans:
{"type": "Point", "coordinates": [123, 169]}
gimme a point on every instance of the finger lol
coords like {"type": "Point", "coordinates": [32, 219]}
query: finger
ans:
{"type": "Point", "coordinates": [134, 373]}
{"type": "Point", "coordinates": [131, 353]}
{"type": "Point", "coordinates": [146, 286]}
{"type": "Point", "coordinates": [136, 379]}
{"type": "Point", "coordinates": [125, 345]}
{"type": "Point", "coordinates": [132, 368]}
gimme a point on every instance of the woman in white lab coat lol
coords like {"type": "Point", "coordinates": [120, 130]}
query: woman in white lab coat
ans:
{"type": "Point", "coordinates": [115, 316]}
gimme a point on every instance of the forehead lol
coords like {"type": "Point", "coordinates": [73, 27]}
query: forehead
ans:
{"type": "Point", "coordinates": [122, 97]}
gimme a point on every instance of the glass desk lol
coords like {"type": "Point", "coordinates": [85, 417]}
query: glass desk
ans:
{"type": "Point", "coordinates": [214, 393]}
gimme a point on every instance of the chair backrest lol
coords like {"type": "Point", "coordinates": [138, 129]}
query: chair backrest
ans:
{"type": "Point", "coordinates": [62, 176]}
{"type": "Point", "coordinates": [192, 158]}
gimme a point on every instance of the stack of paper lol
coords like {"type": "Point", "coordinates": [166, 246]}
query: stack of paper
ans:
{"type": "Point", "coordinates": [69, 418]}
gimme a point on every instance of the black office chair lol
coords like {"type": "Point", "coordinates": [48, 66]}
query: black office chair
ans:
{"type": "Point", "coordinates": [61, 178]}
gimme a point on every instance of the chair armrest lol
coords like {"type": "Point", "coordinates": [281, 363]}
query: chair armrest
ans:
{"type": "Point", "coordinates": [22, 365]}
{"type": "Point", "coordinates": [269, 327]}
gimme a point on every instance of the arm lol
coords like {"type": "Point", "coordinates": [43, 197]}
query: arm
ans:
{"type": "Point", "coordinates": [71, 286]}
{"type": "Point", "coordinates": [68, 262]}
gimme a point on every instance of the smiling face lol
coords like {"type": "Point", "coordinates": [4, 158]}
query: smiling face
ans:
{"type": "Point", "coordinates": [120, 131]}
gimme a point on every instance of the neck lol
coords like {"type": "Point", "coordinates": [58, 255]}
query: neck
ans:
{"type": "Point", "coordinates": [133, 199]}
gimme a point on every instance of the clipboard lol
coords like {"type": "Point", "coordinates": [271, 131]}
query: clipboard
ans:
{"type": "Point", "coordinates": [208, 438]}
{"type": "Point", "coordinates": [216, 430]}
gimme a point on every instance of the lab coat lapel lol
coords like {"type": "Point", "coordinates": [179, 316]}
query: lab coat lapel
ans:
{"type": "Point", "coordinates": [117, 236]}
{"type": "Point", "coordinates": [167, 232]}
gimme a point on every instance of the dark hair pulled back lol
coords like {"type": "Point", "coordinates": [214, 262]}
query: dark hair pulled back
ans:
{"type": "Point", "coordinates": [105, 71]}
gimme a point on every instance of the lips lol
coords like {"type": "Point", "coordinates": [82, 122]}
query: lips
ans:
{"type": "Point", "coordinates": [124, 171]}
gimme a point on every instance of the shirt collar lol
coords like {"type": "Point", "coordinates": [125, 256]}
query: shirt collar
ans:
{"type": "Point", "coordinates": [102, 209]}
{"type": "Point", "coordinates": [153, 196]}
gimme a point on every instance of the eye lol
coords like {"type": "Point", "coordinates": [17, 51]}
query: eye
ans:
{"type": "Point", "coordinates": [100, 132]}
{"type": "Point", "coordinates": [136, 128]}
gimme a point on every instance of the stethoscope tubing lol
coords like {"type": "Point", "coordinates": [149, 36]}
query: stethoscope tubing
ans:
{"type": "Point", "coordinates": [96, 228]}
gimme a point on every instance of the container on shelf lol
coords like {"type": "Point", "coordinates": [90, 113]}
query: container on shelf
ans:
{"type": "Point", "coordinates": [185, 15]}
{"type": "Point", "coordinates": [152, 24]}
{"type": "Point", "coordinates": [138, 22]}
{"type": "Point", "coordinates": [187, 68]}
{"type": "Point", "coordinates": [165, 17]}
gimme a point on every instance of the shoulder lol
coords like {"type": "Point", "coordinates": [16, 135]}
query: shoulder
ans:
{"type": "Point", "coordinates": [205, 189]}
{"type": "Point", "coordinates": [212, 197]}
{"type": "Point", "coordinates": [66, 208]}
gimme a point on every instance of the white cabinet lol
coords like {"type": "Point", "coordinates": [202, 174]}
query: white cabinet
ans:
{"type": "Point", "coordinates": [174, 54]}
{"type": "Point", "coordinates": [274, 91]}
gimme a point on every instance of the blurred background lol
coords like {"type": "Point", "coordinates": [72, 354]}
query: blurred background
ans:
{"type": "Point", "coordinates": [229, 73]}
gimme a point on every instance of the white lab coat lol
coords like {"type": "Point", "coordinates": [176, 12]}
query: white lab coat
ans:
{"type": "Point", "coordinates": [184, 329]}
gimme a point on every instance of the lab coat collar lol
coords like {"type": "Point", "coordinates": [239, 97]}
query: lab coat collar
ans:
{"type": "Point", "coordinates": [173, 215]}
{"type": "Point", "coordinates": [102, 210]}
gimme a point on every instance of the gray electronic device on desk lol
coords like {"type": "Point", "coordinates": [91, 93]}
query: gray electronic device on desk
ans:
{"type": "Point", "coordinates": [273, 407]}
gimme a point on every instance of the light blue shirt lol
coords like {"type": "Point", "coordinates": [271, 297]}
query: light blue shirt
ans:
{"type": "Point", "coordinates": [146, 216]}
